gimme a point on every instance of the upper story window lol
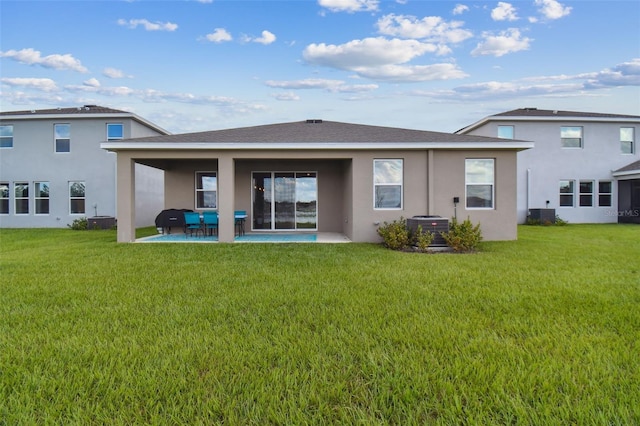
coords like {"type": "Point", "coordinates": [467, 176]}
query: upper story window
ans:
{"type": "Point", "coordinates": [479, 182]}
{"type": "Point", "coordinates": [115, 131]}
{"type": "Point", "coordinates": [4, 197]}
{"type": "Point", "coordinates": [571, 137]}
{"type": "Point", "coordinates": [62, 135]}
{"type": "Point", "coordinates": [387, 184]}
{"type": "Point", "coordinates": [627, 141]}
{"type": "Point", "coordinates": [206, 190]}
{"type": "Point", "coordinates": [6, 136]}
{"type": "Point", "coordinates": [506, 132]}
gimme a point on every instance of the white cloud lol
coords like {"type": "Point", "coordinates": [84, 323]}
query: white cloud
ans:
{"type": "Point", "coordinates": [460, 9]}
{"type": "Point", "coordinates": [350, 5]}
{"type": "Point", "coordinates": [113, 73]}
{"type": "Point", "coordinates": [429, 28]}
{"type": "Point", "coordinates": [92, 82]}
{"type": "Point", "coordinates": [505, 42]}
{"type": "Point", "coordinates": [219, 35]}
{"type": "Point", "coordinates": [310, 83]}
{"type": "Point", "coordinates": [368, 52]}
{"type": "Point", "coordinates": [286, 96]}
{"type": "Point", "coordinates": [552, 9]}
{"type": "Point", "coordinates": [42, 84]}
{"type": "Point", "coordinates": [624, 74]}
{"type": "Point", "coordinates": [148, 25]}
{"type": "Point", "coordinates": [504, 12]}
{"type": "Point", "coordinates": [33, 57]}
{"type": "Point", "coordinates": [266, 38]}
{"type": "Point", "coordinates": [380, 58]}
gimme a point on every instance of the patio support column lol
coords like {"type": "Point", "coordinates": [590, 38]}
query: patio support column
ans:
{"type": "Point", "coordinates": [431, 181]}
{"type": "Point", "coordinates": [126, 190]}
{"type": "Point", "coordinates": [226, 198]}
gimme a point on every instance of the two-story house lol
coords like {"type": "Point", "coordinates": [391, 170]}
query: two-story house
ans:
{"type": "Point", "coordinates": [584, 165]}
{"type": "Point", "coordinates": [53, 171]}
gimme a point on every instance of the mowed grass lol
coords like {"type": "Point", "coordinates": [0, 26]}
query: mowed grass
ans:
{"type": "Point", "coordinates": [544, 330]}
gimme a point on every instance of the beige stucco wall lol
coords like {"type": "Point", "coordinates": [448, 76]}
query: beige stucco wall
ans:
{"type": "Point", "coordinates": [345, 185]}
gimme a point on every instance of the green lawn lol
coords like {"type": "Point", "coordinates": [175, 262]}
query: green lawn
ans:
{"type": "Point", "coordinates": [544, 330]}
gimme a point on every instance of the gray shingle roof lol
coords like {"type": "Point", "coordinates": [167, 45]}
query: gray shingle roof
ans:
{"type": "Point", "coordinates": [535, 112]}
{"type": "Point", "coordinates": [630, 167]}
{"type": "Point", "coordinates": [85, 109]}
{"type": "Point", "coordinates": [314, 131]}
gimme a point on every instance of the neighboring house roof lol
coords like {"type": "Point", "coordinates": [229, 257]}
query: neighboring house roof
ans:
{"type": "Point", "coordinates": [85, 111]}
{"type": "Point", "coordinates": [312, 134]}
{"type": "Point", "coordinates": [535, 114]}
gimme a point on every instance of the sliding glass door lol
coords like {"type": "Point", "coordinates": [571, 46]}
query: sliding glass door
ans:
{"type": "Point", "coordinates": [285, 200]}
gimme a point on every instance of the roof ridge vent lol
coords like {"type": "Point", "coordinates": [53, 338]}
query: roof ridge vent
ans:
{"type": "Point", "coordinates": [314, 121]}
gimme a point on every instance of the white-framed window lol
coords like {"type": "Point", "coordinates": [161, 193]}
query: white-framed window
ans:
{"type": "Point", "coordinates": [479, 183]}
{"type": "Point", "coordinates": [21, 197]}
{"type": "Point", "coordinates": [62, 136]}
{"type": "Point", "coordinates": [41, 197]}
{"type": "Point", "coordinates": [604, 193]}
{"type": "Point", "coordinates": [627, 140]}
{"type": "Point", "coordinates": [206, 190]}
{"type": "Point", "coordinates": [77, 197]}
{"type": "Point", "coordinates": [567, 193]}
{"type": "Point", "coordinates": [4, 197]}
{"type": "Point", "coordinates": [571, 136]}
{"type": "Point", "coordinates": [506, 132]}
{"type": "Point", "coordinates": [6, 136]}
{"type": "Point", "coordinates": [388, 184]}
{"type": "Point", "coordinates": [115, 131]}
{"type": "Point", "coordinates": [586, 193]}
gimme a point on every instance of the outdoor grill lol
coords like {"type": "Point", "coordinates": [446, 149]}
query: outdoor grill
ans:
{"type": "Point", "coordinates": [170, 218]}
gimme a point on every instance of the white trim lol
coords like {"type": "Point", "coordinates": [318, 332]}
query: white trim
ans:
{"type": "Point", "coordinates": [196, 146]}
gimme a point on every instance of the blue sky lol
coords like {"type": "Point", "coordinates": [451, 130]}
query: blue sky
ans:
{"type": "Point", "coordinates": [431, 65]}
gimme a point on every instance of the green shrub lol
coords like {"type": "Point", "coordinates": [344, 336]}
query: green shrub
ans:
{"type": "Point", "coordinates": [462, 236]}
{"type": "Point", "coordinates": [423, 240]}
{"type": "Point", "coordinates": [395, 235]}
{"type": "Point", "coordinates": [80, 224]}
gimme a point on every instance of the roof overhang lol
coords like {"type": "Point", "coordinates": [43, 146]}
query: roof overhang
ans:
{"type": "Point", "coordinates": [227, 146]}
{"type": "Point", "coordinates": [627, 174]}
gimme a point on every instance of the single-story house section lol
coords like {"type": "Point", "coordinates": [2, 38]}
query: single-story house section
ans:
{"type": "Point", "coordinates": [326, 176]}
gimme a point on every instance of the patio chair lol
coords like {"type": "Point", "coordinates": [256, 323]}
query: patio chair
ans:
{"type": "Point", "coordinates": [192, 223]}
{"type": "Point", "coordinates": [210, 222]}
{"type": "Point", "coordinates": [240, 217]}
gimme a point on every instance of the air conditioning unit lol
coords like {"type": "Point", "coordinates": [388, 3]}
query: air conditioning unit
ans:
{"type": "Point", "coordinates": [433, 224]}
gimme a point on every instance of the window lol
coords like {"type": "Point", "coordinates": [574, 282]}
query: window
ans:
{"type": "Point", "coordinates": [115, 131]}
{"type": "Point", "coordinates": [42, 197]}
{"type": "Point", "coordinates": [566, 193]}
{"type": "Point", "coordinates": [387, 184]}
{"type": "Point", "coordinates": [604, 193]}
{"type": "Point", "coordinates": [479, 182]}
{"type": "Point", "coordinates": [586, 193]}
{"type": "Point", "coordinates": [627, 140]}
{"type": "Point", "coordinates": [206, 190]}
{"type": "Point", "coordinates": [571, 137]}
{"type": "Point", "coordinates": [77, 197]}
{"type": "Point", "coordinates": [62, 135]}
{"type": "Point", "coordinates": [505, 132]}
{"type": "Point", "coordinates": [21, 192]}
{"type": "Point", "coordinates": [4, 197]}
{"type": "Point", "coordinates": [6, 136]}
